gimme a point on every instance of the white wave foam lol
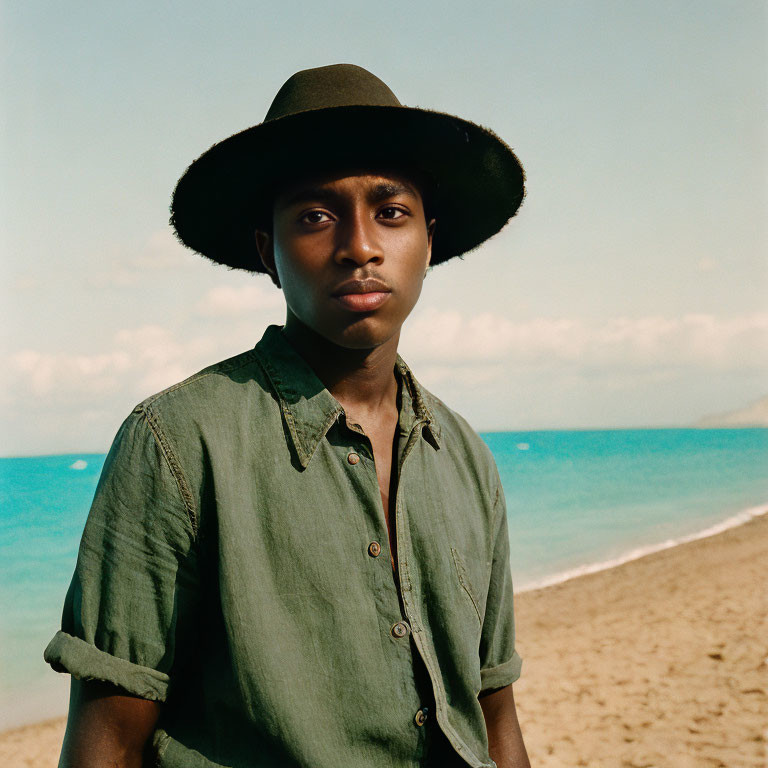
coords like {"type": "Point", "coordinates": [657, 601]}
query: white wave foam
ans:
{"type": "Point", "coordinates": [79, 464]}
{"type": "Point", "coordinates": [731, 522]}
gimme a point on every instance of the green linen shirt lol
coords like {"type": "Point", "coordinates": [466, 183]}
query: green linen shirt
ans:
{"type": "Point", "coordinates": [235, 565]}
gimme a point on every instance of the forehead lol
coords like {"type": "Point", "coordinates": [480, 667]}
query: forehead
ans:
{"type": "Point", "coordinates": [379, 182]}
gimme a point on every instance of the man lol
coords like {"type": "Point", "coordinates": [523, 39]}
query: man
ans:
{"type": "Point", "coordinates": [299, 556]}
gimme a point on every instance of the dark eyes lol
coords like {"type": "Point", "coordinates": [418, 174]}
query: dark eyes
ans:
{"type": "Point", "coordinates": [390, 209]}
{"type": "Point", "coordinates": [391, 213]}
{"type": "Point", "coordinates": [315, 217]}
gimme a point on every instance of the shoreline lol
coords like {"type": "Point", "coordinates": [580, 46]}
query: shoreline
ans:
{"type": "Point", "coordinates": [740, 518]}
{"type": "Point", "coordinates": [661, 660]}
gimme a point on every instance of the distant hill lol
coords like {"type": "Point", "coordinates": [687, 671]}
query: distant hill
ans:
{"type": "Point", "coordinates": [754, 415]}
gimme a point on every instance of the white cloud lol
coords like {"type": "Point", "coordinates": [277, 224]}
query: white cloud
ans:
{"type": "Point", "coordinates": [545, 367]}
{"type": "Point", "coordinates": [45, 374]}
{"type": "Point", "coordinates": [161, 251]}
{"type": "Point", "coordinates": [233, 301]}
{"type": "Point", "coordinates": [448, 339]}
{"type": "Point", "coordinates": [159, 359]}
{"type": "Point", "coordinates": [441, 345]}
{"type": "Point", "coordinates": [117, 276]}
{"type": "Point", "coordinates": [142, 361]}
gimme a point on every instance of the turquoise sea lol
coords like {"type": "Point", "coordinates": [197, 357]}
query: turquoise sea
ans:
{"type": "Point", "coordinates": [577, 501]}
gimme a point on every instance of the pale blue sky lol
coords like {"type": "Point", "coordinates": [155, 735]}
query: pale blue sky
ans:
{"type": "Point", "coordinates": [630, 289]}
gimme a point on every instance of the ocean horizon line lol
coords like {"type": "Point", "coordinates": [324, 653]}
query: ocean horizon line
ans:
{"type": "Point", "coordinates": [481, 432]}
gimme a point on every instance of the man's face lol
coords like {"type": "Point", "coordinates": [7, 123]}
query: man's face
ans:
{"type": "Point", "coordinates": [328, 230]}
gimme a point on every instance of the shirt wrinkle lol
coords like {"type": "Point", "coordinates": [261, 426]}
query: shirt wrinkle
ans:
{"type": "Point", "coordinates": [280, 636]}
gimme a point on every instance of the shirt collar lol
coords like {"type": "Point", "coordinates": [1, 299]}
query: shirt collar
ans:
{"type": "Point", "coordinates": [309, 409]}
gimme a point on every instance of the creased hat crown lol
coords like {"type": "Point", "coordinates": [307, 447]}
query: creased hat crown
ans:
{"type": "Point", "coordinates": [337, 85]}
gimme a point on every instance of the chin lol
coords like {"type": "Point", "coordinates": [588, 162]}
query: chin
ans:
{"type": "Point", "coordinates": [365, 332]}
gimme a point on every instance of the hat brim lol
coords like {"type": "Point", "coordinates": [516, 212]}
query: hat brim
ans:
{"type": "Point", "coordinates": [479, 183]}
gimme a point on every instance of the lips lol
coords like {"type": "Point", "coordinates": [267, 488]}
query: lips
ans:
{"type": "Point", "coordinates": [366, 285]}
{"type": "Point", "coordinates": [362, 295]}
{"type": "Point", "coordinates": [363, 302]}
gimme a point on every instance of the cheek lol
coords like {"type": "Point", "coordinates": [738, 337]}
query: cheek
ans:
{"type": "Point", "coordinates": [295, 263]}
{"type": "Point", "coordinates": [412, 281]}
{"type": "Point", "coordinates": [417, 256]}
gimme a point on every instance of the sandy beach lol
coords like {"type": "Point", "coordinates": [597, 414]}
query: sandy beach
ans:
{"type": "Point", "coordinates": [659, 662]}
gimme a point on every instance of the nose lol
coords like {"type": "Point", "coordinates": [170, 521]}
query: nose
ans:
{"type": "Point", "coordinates": [357, 240]}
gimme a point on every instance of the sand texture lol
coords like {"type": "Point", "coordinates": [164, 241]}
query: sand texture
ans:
{"type": "Point", "coordinates": [33, 746]}
{"type": "Point", "coordinates": [662, 661]}
{"type": "Point", "coordinates": [659, 662]}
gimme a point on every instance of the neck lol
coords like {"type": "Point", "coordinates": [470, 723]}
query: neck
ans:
{"type": "Point", "coordinates": [362, 380]}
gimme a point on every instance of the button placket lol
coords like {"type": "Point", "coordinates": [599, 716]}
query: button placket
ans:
{"type": "Point", "coordinates": [403, 540]}
{"type": "Point", "coordinates": [374, 548]}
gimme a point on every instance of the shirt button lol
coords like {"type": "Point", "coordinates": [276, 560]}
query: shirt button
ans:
{"type": "Point", "coordinates": [421, 716]}
{"type": "Point", "coordinates": [400, 629]}
{"type": "Point", "coordinates": [374, 549]}
{"type": "Point", "coordinates": [353, 458]}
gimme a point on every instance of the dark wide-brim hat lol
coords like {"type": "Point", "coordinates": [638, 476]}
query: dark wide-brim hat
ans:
{"type": "Point", "coordinates": [342, 116]}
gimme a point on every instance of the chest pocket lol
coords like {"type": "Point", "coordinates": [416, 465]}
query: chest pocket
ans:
{"type": "Point", "coordinates": [464, 580]}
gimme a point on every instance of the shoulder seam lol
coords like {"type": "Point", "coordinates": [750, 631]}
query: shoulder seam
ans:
{"type": "Point", "coordinates": [230, 364]}
{"type": "Point", "coordinates": [173, 464]}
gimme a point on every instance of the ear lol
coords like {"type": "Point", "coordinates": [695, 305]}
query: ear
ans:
{"type": "Point", "coordinates": [430, 234]}
{"type": "Point", "coordinates": [265, 248]}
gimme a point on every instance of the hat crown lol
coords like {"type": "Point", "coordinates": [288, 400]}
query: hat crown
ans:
{"type": "Point", "coordinates": [337, 85]}
{"type": "Point", "coordinates": [476, 183]}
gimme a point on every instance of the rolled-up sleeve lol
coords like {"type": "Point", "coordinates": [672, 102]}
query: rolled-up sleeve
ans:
{"type": "Point", "coordinates": [500, 664]}
{"type": "Point", "coordinates": [135, 587]}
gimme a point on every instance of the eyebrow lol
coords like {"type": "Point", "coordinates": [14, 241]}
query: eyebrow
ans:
{"type": "Point", "coordinates": [377, 194]}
